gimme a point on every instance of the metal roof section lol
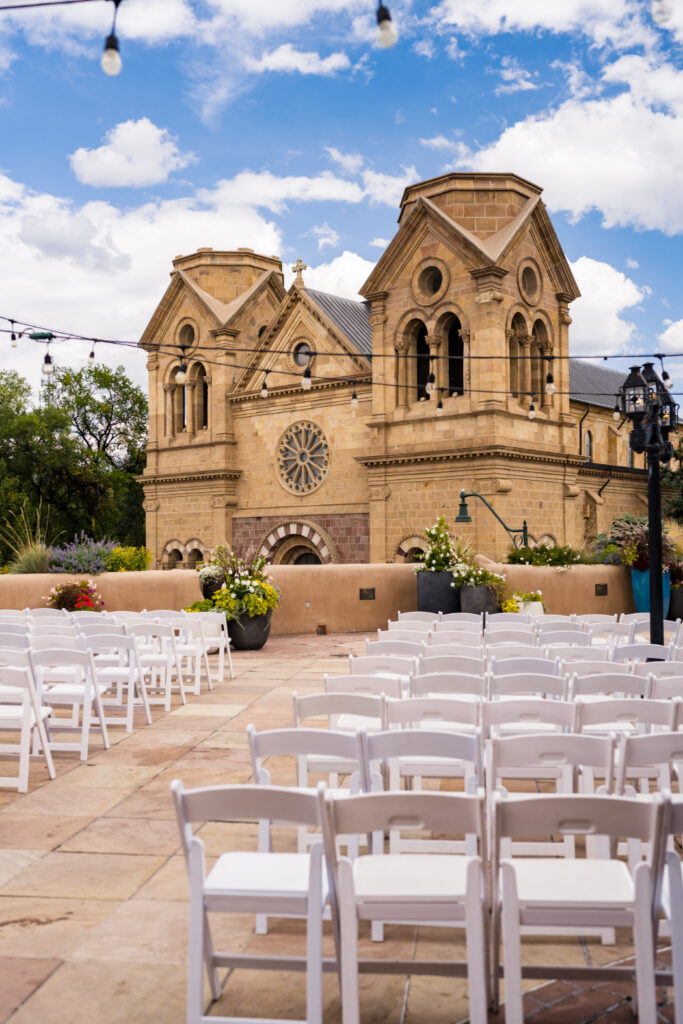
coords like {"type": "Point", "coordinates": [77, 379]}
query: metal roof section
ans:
{"type": "Point", "coordinates": [351, 317]}
{"type": "Point", "coordinates": [597, 385]}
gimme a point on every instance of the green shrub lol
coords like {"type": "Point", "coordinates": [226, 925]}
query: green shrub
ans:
{"type": "Point", "coordinates": [27, 542]}
{"type": "Point", "coordinates": [128, 559]}
{"type": "Point", "coordinates": [543, 554]}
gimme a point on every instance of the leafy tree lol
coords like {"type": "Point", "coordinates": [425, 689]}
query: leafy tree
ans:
{"type": "Point", "coordinates": [672, 480]}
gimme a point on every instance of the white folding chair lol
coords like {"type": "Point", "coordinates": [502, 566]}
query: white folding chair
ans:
{"type": "Point", "coordinates": [582, 893]}
{"type": "Point", "coordinates": [157, 657]}
{"type": "Point", "coordinates": [18, 642]}
{"type": "Point", "coordinates": [645, 759]}
{"type": "Point", "coordinates": [82, 693]}
{"type": "Point", "coordinates": [671, 627]}
{"type": "Point", "coordinates": [412, 635]}
{"type": "Point", "coordinates": [450, 663]}
{"type": "Point", "coordinates": [578, 638]}
{"type": "Point", "coordinates": [13, 629]}
{"type": "Point", "coordinates": [610, 634]}
{"type": "Point", "coordinates": [52, 627]}
{"type": "Point", "coordinates": [439, 645]}
{"type": "Point", "coordinates": [507, 666]}
{"type": "Point", "coordinates": [280, 884]}
{"type": "Point", "coordinates": [658, 669]}
{"type": "Point", "coordinates": [631, 715]}
{"type": "Point", "coordinates": [80, 618]}
{"type": "Point", "coordinates": [449, 627]}
{"type": "Point", "coordinates": [25, 714]}
{"type": "Point", "coordinates": [641, 652]}
{"type": "Point", "coordinates": [12, 615]}
{"type": "Point", "coordinates": [503, 652]}
{"type": "Point", "coordinates": [494, 618]}
{"type": "Point", "coordinates": [370, 685]}
{"type": "Point", "coordinates": [588, 666]}
{"type": "Point", "coordinates": [664, 687]}
{"type": "Point", "coordinates": [566, 653]}
{"type": "Point", "coordinates": [418, 617]}
{"type": "Point", "coordinates": [639, 617]}
{"type": "Point", "coordinates": [524, 715]}
{"type": "Point", "coordinates": [593, 617]}
{"type": "Point", "coordinates": [46, 613]}
{"type": "Point", "coordinates": [462, 617]}
{"type": "Point", "coordinates": [418, 754]}
{"type": "Point", "coordinates": [425, 888]}
{"type": "Point", "coordinates": [602, 683]}
{"type": "Point", "coordinates": [382, 665]}
{"type": "Point", "coordinates": [422, 626]}
{"type": "Point", "coordinates": [450, 713]}
{"type": "Point", "coordinates": [117, 664]}
{"type": "Point", "coordinates": [521, 634]}
{"type": "Point", "coordinates": [407, 648]}
{"type": "Point", "coordinates": [190, 646]}
{"type": "Point", "coordinates": [344, 712]}
{"type": "Point", "coordinates": [520, 684]}
{"type": "Point", "coordinates": [467, 686]}
{"type": "Point", "coordinates": [669, 902]}
{"type": "Point", "coordinates": [217, 638]}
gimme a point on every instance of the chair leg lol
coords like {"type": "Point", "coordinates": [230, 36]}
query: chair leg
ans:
{"type": "Point", "coordinates": [211, 970]}
{"type": "Point", "coordinates": [477, 958]}
{"type": "Point", "coordinates": [348, 928]}
{"type": "Point", "coordinates": [97, 699]}
{"type": "Point", "coordinates": [645, 948]}
{"type": "Point", "coordinates": [85, 728]}
{"type": "Point", "coordinates": [314, 942]}
{"type": "Point", "coordinates": [195, 956]}
{"type": "Point", "coordinates": [24, 750]}
{"type": "Point", "coordinates": [512, 954]}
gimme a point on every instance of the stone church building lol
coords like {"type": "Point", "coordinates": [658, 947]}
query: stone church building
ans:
{"type": "Point", "coordinates": [313, 428]}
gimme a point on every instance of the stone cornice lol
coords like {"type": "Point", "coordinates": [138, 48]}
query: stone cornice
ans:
{"type": "Point", "coordinates": [198, 476]}
{"type": "Point", "coordinates": [468, 455]}
{"type": "Point", "coordinates": [295, 389]}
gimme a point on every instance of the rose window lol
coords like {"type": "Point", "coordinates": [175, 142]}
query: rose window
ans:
{"type": "Point", "coordinates": [302, 457]}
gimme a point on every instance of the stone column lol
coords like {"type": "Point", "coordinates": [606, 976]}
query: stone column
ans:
{"type": "Point", "coordinates": [466, 365]}
{"type": "Point", "coordinates": [190, 389]}
{"type": "Point", "coordinates": [401, 350]}
{"type": "Point", "coordinates": [437, 365]}
{"type": "Point", "coordinates": [169, 412]}
{"type": "Point", "coordinates": [512, 365]}
{"type": "Point", "coordinates": [525, 353]}
{"type": "Point", "coordinates": [546, 400]}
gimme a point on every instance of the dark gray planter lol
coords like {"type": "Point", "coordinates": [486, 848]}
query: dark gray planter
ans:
{"type": "Point", "coordinates": [435, 593]}
{"type": "Point", "coordinates": [209, 589]}
{"type": "Point", "coordinates": [676, 603]}
{"type": "Point", "coordinates": [478, 599]}
{"type": "Point", "coordinates": [249, 634]}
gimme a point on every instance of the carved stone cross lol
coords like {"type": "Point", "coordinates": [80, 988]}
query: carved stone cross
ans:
{"type": "Point", "coordinates": [298, 268]}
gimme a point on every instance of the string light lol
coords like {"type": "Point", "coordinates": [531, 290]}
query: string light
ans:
{"type": "Point", "coordinates": [306, 379]}
{"type": "Point", "coordinates": [431, 379]}
{"type": "Point", "coordinates": [387, 33]}
{"type": "Point", "coordinates": [616, 415]}
{"type": "Point", "coordinates": [354, 398]}
{"type": "Point", "coordinates": [439, 406]}
{"type": "Point", "coordinates": [91, 357]}
{"type": "Point", "coordinates": [661, 11]}
{"type": "Point", "coordinates": [532, 408]}
{"type": "Point", "coordinates": [550, 388]}
{"type": "Point", "coordinates": [111, 62]}
{"type": "Point", "coordinates": [48, 368]}
{"type": "Point", "coordinates": [14, 341]}
{"type": "Point", "coordinates": [264, 386]}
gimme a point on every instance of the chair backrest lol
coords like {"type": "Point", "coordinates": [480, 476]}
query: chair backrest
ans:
{"type": "Point", "coordinates": [462, 617]}
{"type": "Point", "coordinates": [454, 683]}
{"type": "Point", "coordinates": [390, 635]}
{"type": "Point", "coordinates": [551, 750]}
{"type": "Point", "coordinates": [469, 646]}
{"type": "Point", "coordinates": [13, 629]}
{"type": "Point", "coordinates": [503, 651]}
{"type": "Point", "coordinates": [625, 711]}
{"type": "Point", "coordinates": [409, 648]}
{"type": "Point", "coordinates": [12, 615]}
{"type": "Point", "coordinates": [659, 669]}
{"type": "Point", "coordinates": [241, 803]}
{"type": "Point", "coordinates": [410, 625]}
{"type": "Point", "coordinates": [17, 678]}
{"type": "Point", "coordinates": [469, 664]}
{"type": "Point", "coordinates": [472, 627]}
{"type": "Point", "coordinates": [52, 628]}
{"type": "Point", "coordinates": [552, 620]}
{"type": "Point", "coordinates": [54, 642]}
{"type": "Point", "coordinates": [611, 630]}
{"type": "Point", "coordinates": [418, 616]}
{"type": "Point", "coordinates": [641, 652]}
{"type": "Point", "coordinates": [655, 752]}
{"type": "Point", "coordinates": [15, 657]}
{"type": "Point", "coordinates": [126, 617]}
{"type": "Point", "coordinates": [499, 666]}
{"type": "Point", "coordinates": [298, 742]}
{"type": "Point", "coordinates": [150, 629]}
{"type": "Point", "coordinates": [542, 683]}
{"type": "Point", "coordinates": [544, 626]}
{"type": "Point", "coordinates": [578, 638]}
{"type": "Point", "coordinates": [503, 617]}
{"type": "Point", "coordinates": [377, 685]}
{"type": "Point", "coordinates": [586, 667]}
{"type": "Point", "coordinates": [53, 656]}
{"type": "Point", "coordinates": [163, 613]}
{"type": "Point", "coordinates": [528, 713]}
{"type": "Point", "coordinates": [521, 634]}
{"type": "Point", "coordinates": [46, 613]}
{"type": "Point", "coordinates": [18, 642]}
{"type": "Point", "coordinates": [664, 687]}
{"type": "Point", "coordinates": [640, 617]}
{"type": "Point", "coordinates": [97, 628]}
{"type": "Point", "coordinates": [431, 712]}
{"type": "Point", "coordinates": [593, 617]}
{"type": "Point", "coordinates": [609, 682]}
{"type": "Point", "coordinates": [671, 629]}
{"type": "Point", "coordinates": [81, 617]}
{"type": "Point", "coordinates": [567, 653]}
{"type": "Point", "coordinates": [394, 744]}
{"type": "Point", "coordinates": [100, 643]}
{"type": "Point", "coordinates": [381, 664]}
{"type": "Point", "coordinates": [331, 705]}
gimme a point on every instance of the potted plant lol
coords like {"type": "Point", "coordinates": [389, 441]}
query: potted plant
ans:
{"type": "Point", "coordinates": [676, 600]}
{"type": "Point", "coordinates": [531, 603]}
{"type": "Point", "coordinates": [480, 589]}
{"type": "Point", "coordinates": [81, 596]}
{"type": "Point", "coordinates": [632, 536]}
{"type": "Point", "coordinates": [211, 579]}
{"type": "Point", "coordinates": [247, 596]}
{"type": "Point", "coordinates": [434, 577]}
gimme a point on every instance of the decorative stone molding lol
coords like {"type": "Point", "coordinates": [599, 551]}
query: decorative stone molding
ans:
{"type": "Point", "coordinates": [315, 537]}
{"type": "Point", "coordinates": [302, 457]}
{"type": "Point", "coordinates": [380, 493]}
{"type": "Point", "coordinates": [151, 505]}
{"type": "Point", "coordinates": [409, 544]}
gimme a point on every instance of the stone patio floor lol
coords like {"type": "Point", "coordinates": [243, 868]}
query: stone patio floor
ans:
{"type": "Point", "coordinates": [93, 891]}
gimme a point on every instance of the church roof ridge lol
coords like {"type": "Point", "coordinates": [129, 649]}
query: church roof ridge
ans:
{"type": "Point", "coordinates": [593, 384]}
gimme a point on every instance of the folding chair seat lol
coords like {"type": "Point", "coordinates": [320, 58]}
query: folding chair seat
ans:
{"type": "Point", "coordinates": [526, 715]}
{"type": "Point", "coordinates": [418, 616]}
{"type": "Point", "coordinates": [275, 883]}
{"type": "Point", "coordinates": [368, 685]}
{"type": "Point", "coordinates": [427, 888]}
{"type": "Point", "coordinates": [641, 652]}
{"type": "Point", "coordinates": [117, 663]}
{"type": "Point", "coordinates": [398, 666]}
{"type": "Point", "coordinates": [408, 648]}
{"type": "Point", "coordinates": [539, 662]}
{"type": "Point", "coordinates": [83, 693]}
{"type": "Point", "coordinates": [582, 893]}
{"type": "Point", "coordinates": [466, 686]}
{"type": "Point", "coordinates": [630, 715]}
{"type": "Point", "coordinates": [25, 714]}
{"type": "Point", "coordinates": [599, 684]}
{"type": "Point", "coordinates": [520, 684]}
{"type": "Point", "coordinates": [453, 714]}
{"type": "Point", "coordinates": [578, 638]}
{"type": "Point", "coordinates": [157, 657]}
{"type": "Point", "coordinates": [494, 618]}
{"type": "Point", "coordinates": [216, 638]}
{"type": "Point", "coordinates": [409, 625]}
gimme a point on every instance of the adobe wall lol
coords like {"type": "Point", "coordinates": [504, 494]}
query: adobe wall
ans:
{"type": "Point", "coordinates": [313, 595]}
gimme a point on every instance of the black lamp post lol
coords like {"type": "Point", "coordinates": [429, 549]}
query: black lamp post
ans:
{"type": "Point", "coordinates": [644, 399]}
{"type": "Point", "coordinates": [464, 516]}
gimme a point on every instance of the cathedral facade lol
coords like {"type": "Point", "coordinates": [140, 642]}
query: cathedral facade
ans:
{"type": "Point", "coordinates": [313, 428]}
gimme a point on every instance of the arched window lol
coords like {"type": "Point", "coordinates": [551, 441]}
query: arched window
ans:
{"type": "Point", "coordinates": [539, 346]}
{"type": "Point", "coordinates": [180, 407]}
{"type": "Point", "coordinates": [201, 399]}
{"type": "Point", "coordinates": [175, 557]}
{"type": "Point", "coordinates": [518, 329]}
{"type": "Point", "coordinates": [194, 558]}
{"type": "Point", "coordinates": [186, 336]}
{"type": "Point", "coordinates": [588, 446]}
{"type": "Point", "coordinates": [422, 361]}
{"type": "Point", "coordinates": [456, 377]}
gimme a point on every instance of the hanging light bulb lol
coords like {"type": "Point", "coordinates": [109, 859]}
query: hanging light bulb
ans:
{"type": "Point", "coordinates": [532, 408]}
{"type": "Point", "coordinates": [387, 34]}
{"type": "Point", "coordinates": [91, 357]}
{"type": "Point", "coordinates": [48, 368]}
{"type": "Point", "coordinates": [264, 386]}
{"type": "Point", "coordinates": [661, 11]}
{"type": "Point", "coordinates": [666, 379]}
{"type": "Point", "coordinates": [111, 62]}
{"type": "Point", "coordinates": [430, 386]}
{"type": "Point", "coordinates": [181, 374]}
{"type": "Point", "coordinates": [550, 388]}
{"type": "Point", "coordinates": [439, 407]}
{"type": "Point", "coordinates": [13, 341]}
{"type": "Point", "coordinates": [354, 398]}
{"type": "Point", "coordinates": [306, 379]}
{"type": "Point", "coordinates": [616, 415]}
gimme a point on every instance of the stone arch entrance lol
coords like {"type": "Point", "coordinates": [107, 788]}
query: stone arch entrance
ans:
{"type": "Point", "coordinates": [409, 549]}
{"type": "Point", "coordinates": [298, 542]}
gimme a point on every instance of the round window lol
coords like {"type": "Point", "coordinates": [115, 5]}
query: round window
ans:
{"type": "Point", "coordinates": [430, 280]}
{"type": "Point", "coordinates": [529, 283]}
{"type": "Point", "coordinates": [186, 336]}
{"type": "Point", "coordinates": [302, 457]}
{"type": "Point", "coordinates": [303, 353]}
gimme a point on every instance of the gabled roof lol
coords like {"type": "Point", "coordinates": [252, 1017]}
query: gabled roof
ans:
{"type": "Point", "coordinates": [351, 317]}
{"type": "Point", "coordinates": [594, 384]}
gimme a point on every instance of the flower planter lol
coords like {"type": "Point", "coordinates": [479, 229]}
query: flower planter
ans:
{"type": "Point", "coordinates": [531, 607]}
{"type": "Point", "coordinates": [640, 582]}
{"type": "Point", "coordinates": [478, 599]}
{"type": "Point", "coordinates": [209, 589]}
{"type": "Point", "coordinates": [249, 633]}
{"type": "Point", "coordinates": [435, 593]}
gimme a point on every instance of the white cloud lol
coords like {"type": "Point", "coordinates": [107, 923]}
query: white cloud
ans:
{"type": "Point", "coordinates": [634, 173]}
{"type": "Point", "coordinates": [266, 190]}
{"type": "Point", "coordinates": [262, 17]}
{"type": "Point", "coordinates": [632, 264]}
{"type": "Point", "coordinates": [598, 325]}
{"type": "Point", "coordinates": [399, 117]}
{"type": "Point", "coordinates": [135, 153]}
{"type": "Point", "coordinates": [425, 48]}
{"type": "Point", "coordinates": [349, 162]}
{"type": "Point", "coordinates": [579, 84]}
{"type": "Point", "coordinates": [286, 58]}
{"type": "Point", "coordinates": [671, 337]}
{"type": "Point", "coordinates": [379, 243]}
{"type": "Point", "coordinates": [326, 235]}
{"type": "Point", "coordinates": [453, 50]}
{"type": "Point", "coordinates": [515, 78]}
{"type": "Point", "coordinates": [615, 22]}
{"type": "Point", "coordinates": [387, 188]}
{"type": "Point", "coordinates": [434, 110]}
{"type": "Point", "coordinates": [341, 276]}
{"type": "Point", "coordinates": [439, 142]}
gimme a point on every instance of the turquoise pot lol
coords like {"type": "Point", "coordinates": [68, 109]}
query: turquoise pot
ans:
{"type": "Point", "coordinates": [640, 582]}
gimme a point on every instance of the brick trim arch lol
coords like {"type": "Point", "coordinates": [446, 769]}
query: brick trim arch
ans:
{"type": "Point", "coordinates": [407, 544]}
{"type": "Point", "coordinates": [314, 535]}
{"type": "Point", "coordinates": [190, 545]}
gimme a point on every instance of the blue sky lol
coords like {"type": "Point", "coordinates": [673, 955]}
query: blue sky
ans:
{"type": "Point", "coordinates": [281, 126]}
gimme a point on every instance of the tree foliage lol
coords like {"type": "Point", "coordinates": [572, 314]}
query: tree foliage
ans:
{"type": "Point", "coordinates": [77, 450]}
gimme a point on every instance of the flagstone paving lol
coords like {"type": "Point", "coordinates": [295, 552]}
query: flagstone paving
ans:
{"type": "Point", "coordinates": [93, 891]}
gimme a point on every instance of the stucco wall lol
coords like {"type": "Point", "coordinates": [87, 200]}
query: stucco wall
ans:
{"type": "Point", "coordinates": [330, 594]}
